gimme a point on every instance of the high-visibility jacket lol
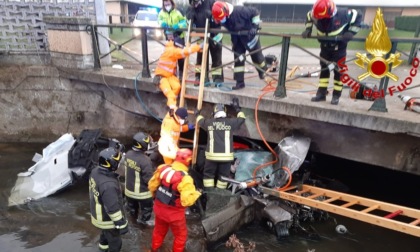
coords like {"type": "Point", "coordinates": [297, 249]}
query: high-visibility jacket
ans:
{"type": "Point", "coordinates": [176, 176]}
{"type": "Point", "coordinates": [166, 65]}
{"type": "Point", "coordinates": [171, 18]}
{"type": "Point", "coordinates": [219, 136]}
{"type": "Point", "coordinates": [344, 20]}
{"type": "Point", "coordinates": [171, 128]}
{"type": "Point", "coordinates": [138, 171]}
{"type": "Point", "coordinates": [106, 203]}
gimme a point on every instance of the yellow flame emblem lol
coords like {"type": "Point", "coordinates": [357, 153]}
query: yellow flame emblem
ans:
{"type": "Point", "coordinates": [378, 44]}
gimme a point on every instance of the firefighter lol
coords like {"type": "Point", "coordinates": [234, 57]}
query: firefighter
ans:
{"type": "Point", "coordinates": [331, 22]}
{"type": "Point", "coordinates": [166, 68]}
{"type": "Point", "coordinates": [198, 12]}
{"type": "Point", "coordinates": [171, 18]}
{"type": "Point", "coordinates": [173, 190]}
{"type": "Point", "coordinates": [106, 203]}
{"type": "Point", "coordinates": [172, 126]}
{"type": "Point", "coordinates": [219, 150]}
{"type": "Point", "coordinates": [240, 18]}
{"type": "Point", "coordinates": [138, 171]}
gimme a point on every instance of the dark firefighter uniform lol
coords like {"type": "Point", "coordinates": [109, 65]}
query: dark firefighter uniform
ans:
{"type": "Point", "coordinates": [240, 18]}
{"type": "Point", "coordinates": [345, 23]}
{"type": "Point", "coordinates": [106, 208]}
{"type": "Point", "coordinates": [198, 12]}
{"type": "Point", "coordinates": [173, 190]}
{"type": "Point", "coordinates": [138, 171]}
{"type": "Point", "coordinates": [219, 150]}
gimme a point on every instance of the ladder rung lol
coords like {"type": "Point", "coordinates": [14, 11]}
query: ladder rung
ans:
{"type": "Point", "coordinates": [186, 140]}
{"type": "Point", "coordinates": [191, 112]}
{"type": "Point", "coordinates": [392, 215]}
{"type": "Point", "coordinates": [415, 223]}
{"type": "Point", "coordinates": [367, 210]}
{"type": "Point", "coordinates": [302, 192]}
{"type": "Point", "coordinates": [197, 34]}
{"type": "Point", "coordinates": [314, 196]}
{"type": "Point", "coordinates": [331, 199]}
{"type": "Point", "coordinates": [350, 203]}
{"type": "Point", "coordinates": [193, 97]}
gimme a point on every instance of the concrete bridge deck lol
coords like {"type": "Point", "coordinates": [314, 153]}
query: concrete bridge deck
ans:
{"type": "Point", "coordinates": [349, 130]}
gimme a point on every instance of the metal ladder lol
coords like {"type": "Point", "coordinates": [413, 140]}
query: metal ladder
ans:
{"type": "Point", "coordinates": [199, 98]}
{"type": "Point", "coordinates": [398, 218]}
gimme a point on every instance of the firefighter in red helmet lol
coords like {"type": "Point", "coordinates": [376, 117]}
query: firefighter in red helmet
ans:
{"type": "Point", "coordinates": [240, 18]}
{"type": "Point", "coordinates": [331, 22]}
{"type": "Point", "coordinates": [173, 190]}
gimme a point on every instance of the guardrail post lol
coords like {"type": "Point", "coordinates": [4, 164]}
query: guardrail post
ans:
{"type": "Point", "coordinates": [281, 86]}
{"type": "Point", "coordinates": [380, 103]}
{"type": "Point", "coordinates": [95, 45]}
{"type": "Point", "coordinates": [414, 45]}
{"type": "Point", "coordinates": [145, 54]}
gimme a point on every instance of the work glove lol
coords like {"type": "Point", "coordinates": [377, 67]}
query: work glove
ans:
{"type": "Point", "coordinates": [197, 112]}
{"type": "Point", "coordinates": [218, 38]}
{"type": "Point", "coordinates": [235, 104]}
{"type": "Point", "coordinates": [306, 33]}
{"type": "Point", "coordinates": [191, 126]}
{"type": "Point", "coordinates": [190, 15]}
{"type": "Point", "coordinates": [252, 32]}
{"type": "Point", "coordinates": [164, 25]}
{"type": "Point", "coordinates": [208, 14]}
{"type": "Point", "coordinates": [122, 226]}
{"type": "Point", "coordinates": [347, 36]}
{"type": "Point", "coordinates": [175, 26]}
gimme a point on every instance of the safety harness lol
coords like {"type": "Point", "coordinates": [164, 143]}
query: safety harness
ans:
{"type": "Point", "coordinates": [167, 192]}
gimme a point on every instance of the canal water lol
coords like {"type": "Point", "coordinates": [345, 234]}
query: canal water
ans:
{"type": "Point", "coordinates": [61, 223]}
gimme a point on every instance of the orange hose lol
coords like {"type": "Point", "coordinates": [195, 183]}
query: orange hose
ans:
{"type": "Point", "coordinates": [254, 174]}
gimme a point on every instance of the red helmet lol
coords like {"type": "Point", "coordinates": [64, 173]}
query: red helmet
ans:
{"type": "Point", "coordinates": [219, 11]}
{"type": "Point", "coordinates": [184, 156]}
{"type": "Point", "coordinates": [324, 9]}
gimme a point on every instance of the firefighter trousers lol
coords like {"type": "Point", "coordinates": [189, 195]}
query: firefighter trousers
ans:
{"type": "Point", "coordinates": [110, 240]}
{"type": "Point", "coordinates": [211, 169]}
{"type": "Point", "coordinates": [216, 61]}
{"type": "Point", "coordinates": [179, 231]}
{"type": "Point", "coordinates": [332, 53]}
{"type": "Point", "coordinates": [239, 46]}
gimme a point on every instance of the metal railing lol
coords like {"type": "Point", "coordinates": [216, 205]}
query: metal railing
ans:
{"type": "Point", "coordinates": [284, 40]}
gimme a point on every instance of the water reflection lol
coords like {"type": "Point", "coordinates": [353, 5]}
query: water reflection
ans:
{"type": "Point", "coordinates": [62, 223]}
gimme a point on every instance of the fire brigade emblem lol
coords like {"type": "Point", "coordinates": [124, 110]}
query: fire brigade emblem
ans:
{"type": "Point", "coordinates": [378, 44]}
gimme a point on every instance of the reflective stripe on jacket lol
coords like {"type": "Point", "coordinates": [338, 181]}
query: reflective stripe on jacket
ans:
{"type": "Point", "coordinates": [186, 188]}
{"type": "Point", "coordinates": [138, 171]}
{"type": "Point", "coordinates": [167, 63]}
{"type": "Point", "coordinates": [220, 137]}
{"type": "Point", "coordinates": [106, 203]}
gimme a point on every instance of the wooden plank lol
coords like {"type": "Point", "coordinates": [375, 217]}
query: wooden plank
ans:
{"type": "Point", "coordinates": [415, 223]}
{"type": "Point", "coordinates": [331, 199]}
{"type": "Point", "coordinates": [301, 192]}
{"type": "Point", "coordinates": [314, 196]}
{"type": "Point", "coordinates": [349, 204]}
{"type": "Point", "coordinates": [369, 209]}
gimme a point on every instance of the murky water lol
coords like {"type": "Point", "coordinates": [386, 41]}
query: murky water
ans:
{"type": "Point", "coordinates": [62, 222]}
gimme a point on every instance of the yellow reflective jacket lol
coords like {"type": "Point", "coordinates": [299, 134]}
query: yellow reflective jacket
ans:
{"type": "Point", "coordinates": [186, 188]}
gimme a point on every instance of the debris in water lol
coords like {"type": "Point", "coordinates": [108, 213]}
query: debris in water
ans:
{"type": "Point", "coordinates": [238, 246]}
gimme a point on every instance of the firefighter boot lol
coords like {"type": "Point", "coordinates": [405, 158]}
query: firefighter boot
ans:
{"type": "Point", "coordinates": [239, 85]}
{"type": "Point", "coordinates": [335, 97]}
{"type": "Point", "coordinates": [261, 74]}
{"type": "Point", "coordinates": [321, 95]}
